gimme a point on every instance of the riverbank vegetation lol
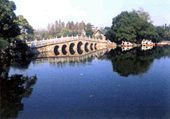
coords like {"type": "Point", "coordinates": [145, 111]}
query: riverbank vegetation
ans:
{"type": "Point", "coordinates": [135, 26]}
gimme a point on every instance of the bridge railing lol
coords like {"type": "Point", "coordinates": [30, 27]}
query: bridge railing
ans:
{"type": "Point", "coordinates": [43, 42]}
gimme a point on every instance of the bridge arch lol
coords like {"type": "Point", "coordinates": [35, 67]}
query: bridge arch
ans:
{"type": "Point", "coordinates": [56, 50]}
{"type": "Point", "coordinates": [91, 46]}
{"type": "Point", "coordinates": [79, 50]}
{"type": "Point", "coordinates": [85, 47]}
{"type": "Point", "coordinates": [64, 49]}
{"type": "Point", "coordinates": [95, 46]}
{"type": "Point", "coordinates": [71, 48]}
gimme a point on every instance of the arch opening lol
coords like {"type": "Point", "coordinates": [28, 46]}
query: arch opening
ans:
{"type": "Point", "coordinates": [91, 46]}
{"type": "Point", "coordinates": [71, 50]}
{"type": "Point", "coordinates": [95, 46]}
{"type": "Point", "coordinates": [64, 49]}
{"type": "Point", "coordinates": [56, 52]}
{"type": "Point", "coordinates": [86, 49]}
{"type": "Point", "coordinates": [78, 48]}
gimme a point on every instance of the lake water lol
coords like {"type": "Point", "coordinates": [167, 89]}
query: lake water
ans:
{"type": "Point", "coordinates": [117, 85]}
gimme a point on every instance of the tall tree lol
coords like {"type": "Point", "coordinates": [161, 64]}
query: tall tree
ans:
{"type": "Point", "coordinates": [8, 27]}
{"type": "Point", "coordinates": [88, 29]}
{"type": "Point", "coordinates": [131, 27]}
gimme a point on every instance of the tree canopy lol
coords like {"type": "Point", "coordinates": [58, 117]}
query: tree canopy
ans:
{"type": "Point", "coordinates": [131, 27]}
{"type": "Point", "coordinates": [65, 32]}
{"type": "Point", "coordinates": [26, 29]}
{"type": "Point", "coordinates": [8, 27]}
{"type": "Point", "coordinates": [163, 32]}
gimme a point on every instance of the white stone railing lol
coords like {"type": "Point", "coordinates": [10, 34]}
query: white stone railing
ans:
{"type": "Point", "coordinates": [43, 42]}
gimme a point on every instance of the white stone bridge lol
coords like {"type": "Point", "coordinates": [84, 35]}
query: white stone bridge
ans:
{"type": "Point", "coordinates": [68, 46]}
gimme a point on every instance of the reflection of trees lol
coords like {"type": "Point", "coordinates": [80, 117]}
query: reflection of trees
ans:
{"type": "Point", "coordinates": [21, 64]}
{"type": "Point", "coordinates": [135, 62]}
{"type": "Point", "coordinates": [162, 51]}
{"type": "Point", "coordinates": [13, 89]}
{"type": "Point", "coordinates": [4, 68]}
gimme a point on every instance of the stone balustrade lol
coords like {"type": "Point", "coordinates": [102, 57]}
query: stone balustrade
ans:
{"type": "Point", "coordinates": [43, 42]}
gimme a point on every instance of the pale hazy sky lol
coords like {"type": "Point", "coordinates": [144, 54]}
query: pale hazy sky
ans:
{"type": "Point", "coordinates": [98, 12]}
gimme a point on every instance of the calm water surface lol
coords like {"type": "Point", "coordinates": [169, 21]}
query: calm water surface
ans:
{"type": "Point", "coordinates": [120, 85]}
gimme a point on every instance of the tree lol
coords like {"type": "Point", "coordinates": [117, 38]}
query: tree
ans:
{"type": "Point", "coordinates": [26, 29]}
{"type": "Point", "coordinates": [89, 31]}
{"type": "Point", "coordinates": [65, 32]}
{"type": "Point", "coordinates": [131, 27]}
{"type": "Point", "coordinates": [110, 34]}
{"type": "Point", "coordinates": [163, 33]}
{"type": "Point", "coordinates": [8, 27]}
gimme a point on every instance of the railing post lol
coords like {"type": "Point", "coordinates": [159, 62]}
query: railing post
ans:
{"type": "Point", "coordinates": [67, 38]}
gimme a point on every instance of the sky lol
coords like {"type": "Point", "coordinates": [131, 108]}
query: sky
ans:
{"type": "Point", "coordinates": [98, 12]}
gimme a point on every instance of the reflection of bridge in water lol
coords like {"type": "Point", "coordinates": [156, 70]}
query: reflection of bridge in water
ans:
{"type": "Point", "coordinates": [54, 59]}
{"type": "Point", "coordinates": [70, 46]}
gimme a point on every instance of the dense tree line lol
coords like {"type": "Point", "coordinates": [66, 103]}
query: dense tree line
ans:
{"type": "Point", "coordinates": [163, 32]}
{"type": "Point", "coordinates": [135, 26]}
{"type": "Point", "coordinates": [59, 29]}
{"type": "Point", "coordinates": [12, 27]}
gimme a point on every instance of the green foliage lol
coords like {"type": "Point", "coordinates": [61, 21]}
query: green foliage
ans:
{"type": "Point", "coordinates": [110, 34]}
{"type": "Point", "coordinates": [3, 43]}
{"type": "Point", "coordinates": [89, 31]}
{"type": "Point", "coordinates": [27, 32]}
{"type": "Point", "coordinates": [74, 33]}
{"type": "Point", "coordinates": [22, 48]}
{"type": "Point", "coordinates": [65, 32]}
{"type": "Point", "coordinates": [8, 26]}
{"type": "Point", "coordinates": [163, 33]}
{"type": "Point", "coordinates": [131, 26]}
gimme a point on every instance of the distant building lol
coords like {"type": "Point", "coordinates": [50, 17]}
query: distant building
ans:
{"type": "Point", "coordinates": [97, 33]}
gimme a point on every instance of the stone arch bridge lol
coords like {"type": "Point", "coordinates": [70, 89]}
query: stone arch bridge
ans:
{"type": "Point", "coordinates": [69, 46]}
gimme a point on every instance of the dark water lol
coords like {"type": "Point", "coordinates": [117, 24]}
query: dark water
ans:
{"type": "Point", "coordinates": [121, 85]}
